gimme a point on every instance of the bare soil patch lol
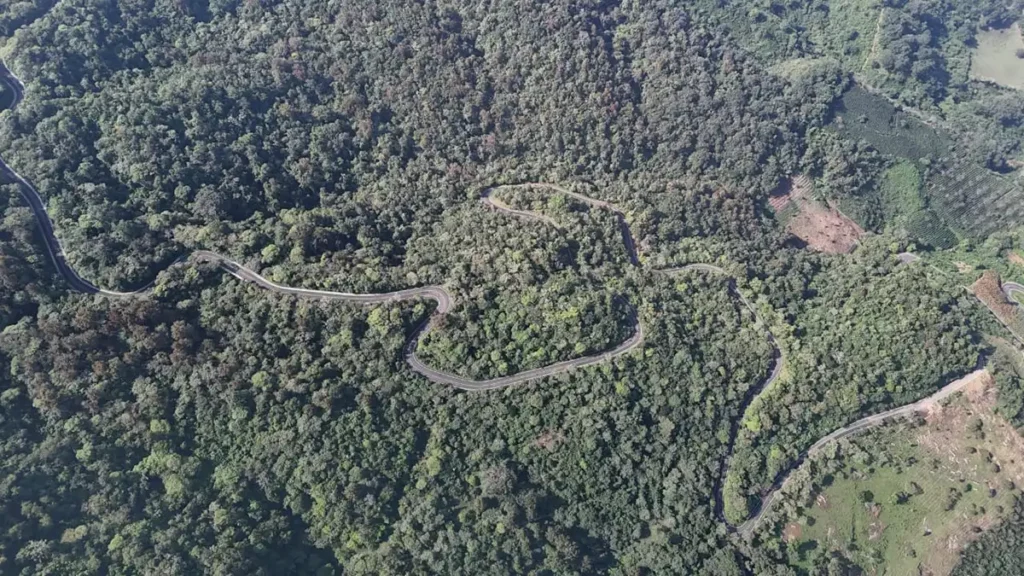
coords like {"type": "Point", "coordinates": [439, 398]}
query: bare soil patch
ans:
{"type": "Point", "coordinates": [954, 435]}
{"type": "Point", "coordinates": [549, 440]}
{"type": "Point", "coordinates": [792, 532]}
{"type": "Point", "coordinates": [1016, 258]}
{"type": "Point", "coordinates": [778, 201]}
{"type": "Point", "coordinates": [820, 226]}
{"type": "Point", "coordinates": [989, 290]}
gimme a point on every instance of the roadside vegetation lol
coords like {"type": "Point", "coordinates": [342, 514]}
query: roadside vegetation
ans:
{"type": "Point", "coordinates": [905, 498]}
{"type": "Point", "coordinates": [888, 345]}
{"type": "Point", "coordinates": [213, 427]}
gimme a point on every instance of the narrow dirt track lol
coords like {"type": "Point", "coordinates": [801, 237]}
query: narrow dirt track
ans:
{"type": "Point", "coordinates": [627, 233]}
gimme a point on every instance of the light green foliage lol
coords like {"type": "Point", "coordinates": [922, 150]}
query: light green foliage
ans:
{"type": "Point", "coordinates": [900, 191]}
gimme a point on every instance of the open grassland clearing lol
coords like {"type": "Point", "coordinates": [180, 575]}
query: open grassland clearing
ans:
{"type": "Point", "coordinates": [905, 207]}
{"type": "Point", "coordinates": [908, 498]}
{"type": "Point", "coordinates": [995, 57]}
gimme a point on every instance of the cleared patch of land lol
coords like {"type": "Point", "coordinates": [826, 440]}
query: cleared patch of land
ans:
{"type": "Point", "coordinates": [908, 499]}
{"type": "Point", "coordinates": [778, 202]}
{"type": "Point", "coordinates": [821, 227]}
{"type": "Point", "coordinates": [989, 290]}
{"type": "Point", "coordinates": [995, 58]}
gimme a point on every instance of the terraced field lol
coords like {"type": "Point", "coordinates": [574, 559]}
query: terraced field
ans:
{"type": "Point", "coordinates": [975, 200]}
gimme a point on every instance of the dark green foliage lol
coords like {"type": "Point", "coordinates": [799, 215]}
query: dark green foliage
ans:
{"type": "Point", "coordinates": [997, 551]}
{"type": "Point", "coordinates": [856, 350]}
{"type": "Point", "coordinates": [871, 118]}
{"type": "Point", "coordinates": [212, 427]}
{"type": "Point", "coordinates": [1008, 373]}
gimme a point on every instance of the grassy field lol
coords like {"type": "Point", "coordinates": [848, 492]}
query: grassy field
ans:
{"type": "Point", "coordinates": [910, 498]}
{"type": "Point", "coordinates": [995, 57]}
{"type": "Point", "coordinates": [904, 206]}
{"type": "Point", "coordinates": [901, 192]}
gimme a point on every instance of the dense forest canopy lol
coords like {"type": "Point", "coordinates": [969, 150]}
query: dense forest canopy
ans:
{"type": "Point", "coordinates": [208, 425]}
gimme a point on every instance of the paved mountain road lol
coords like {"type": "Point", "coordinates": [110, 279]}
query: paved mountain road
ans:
{"type": "Point", "coordinates": [439, 294]}
{"type": "Point", "coordinates": [748, 527]}
{"type": "Point", "coordinates": [1011, 289]}
{"type": "Point", "coordinates": [777, 360]}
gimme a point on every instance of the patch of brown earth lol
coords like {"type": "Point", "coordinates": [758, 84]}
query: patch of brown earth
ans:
{"type": "Point", "coordinates": [954, 434]}
{"type": "Point", "coordinates": [875, 509]}
{"type": "Point", "coordinates": [821, 227]}
{"type": "Point", "coordinates": [792, 532]}
{"type": "Point", "coordinates": [549, 440]}
{"type": "Point", "coordinates": [822, 501]}
{"type": "Point", "coordinates": [779, 202]}
{"type": "Point", "coordinates": [1016, 258]}
{"type": "Point", "coordinates": [989, 290]}
{"type": "Point", "coordinates": [875, 530]}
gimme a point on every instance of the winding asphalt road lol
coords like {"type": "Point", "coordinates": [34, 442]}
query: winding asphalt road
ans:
{"type": "Point", "coordinates": [748, 527]}
{"type": "Point", "coordinates": [1011, 289]}
{"type": "Point", "coordinates": [438, 294]}
{"type": "Point", "coordinates": [777, 361]}
{"type": "Point", "coordinates": [445, 302]}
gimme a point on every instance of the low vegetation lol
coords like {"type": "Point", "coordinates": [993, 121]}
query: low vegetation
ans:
{"type": "Point", "coordinates": [996, 59]}
{"type": "Point", "coordinates": [907, 498]}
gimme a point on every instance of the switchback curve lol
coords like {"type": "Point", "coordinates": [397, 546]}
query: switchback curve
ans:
{"type": "Point", "coordinates": [777, 361]}
{"type": "Point", "coordinates": [1011, 289]}
{"type": "Point", "coordinates": [438, 294]}
{"type": "Point", "coordinates": [627, 233]}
